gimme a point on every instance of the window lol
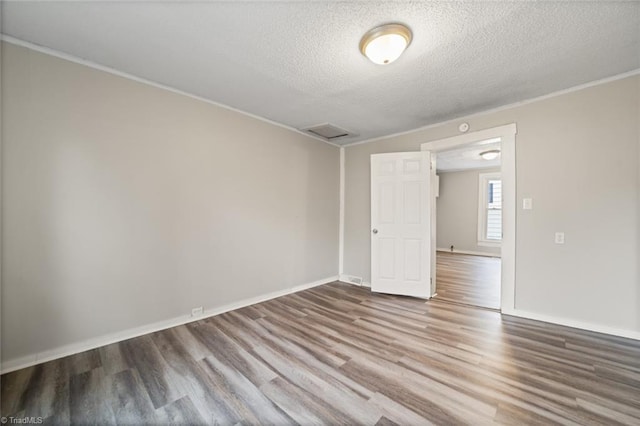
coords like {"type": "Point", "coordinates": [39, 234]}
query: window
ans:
{"type": "Point", "coordinates": [490, 209]}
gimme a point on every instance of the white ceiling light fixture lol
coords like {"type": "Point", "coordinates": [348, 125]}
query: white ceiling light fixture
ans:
{"type": "Point", "coordinates": [384, 44]}
{"type": "Point", "coordinates": [490, 155]}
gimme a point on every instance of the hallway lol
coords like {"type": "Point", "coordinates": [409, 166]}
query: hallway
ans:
{"type": "Point", "coordinates": [469, 280]}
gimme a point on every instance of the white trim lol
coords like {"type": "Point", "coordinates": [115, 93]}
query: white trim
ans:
{"type": "Point", "coordinates": [341, 218]}
{"type": "Point", "coordinates": [507, 135]}
{"type": "Point", "coordinates": [504, 107]}
{"type": "Point", "coordinates": [90, 64]}
{"type": "Point", "coordinates": [630, 334]}
{"type": "Point", "coordinates": [470, 252]}
{"type": "Point", "coordinates": [467, 138]}
{"type": "Point", "coordinates": [93, 343]}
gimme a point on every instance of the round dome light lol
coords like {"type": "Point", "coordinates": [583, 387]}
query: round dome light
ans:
{"type": "Point", "coordinates": [490, 155]}
{"type": "Point", "coordinates": [384, 44]}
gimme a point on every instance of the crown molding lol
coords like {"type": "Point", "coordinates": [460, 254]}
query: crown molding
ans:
{"type": "Point", "coordinates": [503, 107]}
{"type": "Point", "coordinates": [71, 58]}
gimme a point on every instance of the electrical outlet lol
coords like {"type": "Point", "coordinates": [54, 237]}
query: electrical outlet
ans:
{"type": "Point", "coordinates": [559, 237]}
{"type": "Point", "coordinates": [527, 204]}
{"type": "Point", "coordinates": [197, 311]}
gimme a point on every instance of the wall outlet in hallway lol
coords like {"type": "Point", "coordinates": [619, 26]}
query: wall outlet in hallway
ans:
{"type": "Point", "coordinates": [559, 237]}
{"type": "Point", "coordinates": [195, 312]}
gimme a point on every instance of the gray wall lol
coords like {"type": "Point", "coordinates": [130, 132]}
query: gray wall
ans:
{"type": "Point", "coordinates": [457, 212]}
{"type": "Point", "coordinates": [126, 205]}
{"type": "Point", "coordinates": [577, 157]}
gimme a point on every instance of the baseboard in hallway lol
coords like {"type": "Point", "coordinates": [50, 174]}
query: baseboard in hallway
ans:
{"type": "Point", "coordinates": [469, 252]}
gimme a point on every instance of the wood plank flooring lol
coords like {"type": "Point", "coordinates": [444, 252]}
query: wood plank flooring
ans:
{"type": "Point", "coordinates": [470, 280]}
{"type": "Point", "coordinates": [338, 354]}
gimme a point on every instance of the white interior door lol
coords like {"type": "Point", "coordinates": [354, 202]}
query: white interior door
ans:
{"type": "Point", "coordinates": [401, 223]}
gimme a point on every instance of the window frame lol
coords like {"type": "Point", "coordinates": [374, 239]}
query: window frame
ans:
{"type": "Point", "coordinates": [483, 192]}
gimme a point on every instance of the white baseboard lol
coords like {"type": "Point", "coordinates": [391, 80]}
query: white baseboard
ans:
{"type": "Point", "coordinates": [74, 348]}
{"type": "Point", "coordinates": [473, 253]}
{"type": "Point", "coordinates": [630, 334]}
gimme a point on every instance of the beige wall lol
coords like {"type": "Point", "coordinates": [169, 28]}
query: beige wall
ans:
{"type": "Point", "coordinates": [457, 212]}
{"type": "Point", "coordinates": [125, 205]}
{"type": "Point", "coordinates": [577, 157]}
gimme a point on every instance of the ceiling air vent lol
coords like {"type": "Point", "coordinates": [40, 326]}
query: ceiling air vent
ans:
{"type": "Point", "coordinates": [327, 131]}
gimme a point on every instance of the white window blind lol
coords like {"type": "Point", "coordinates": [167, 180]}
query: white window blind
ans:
{"type": "Point", "coordinates": [489, 209]}
{"type": "Point", "coordinates": [494, 210]}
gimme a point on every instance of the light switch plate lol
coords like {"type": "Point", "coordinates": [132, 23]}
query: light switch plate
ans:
{"type": "Point", "coordinates": [559, 237]}
{"type": "Point", "coordinates": [527, 204]}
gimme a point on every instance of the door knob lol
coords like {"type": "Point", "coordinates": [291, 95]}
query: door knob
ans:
{"type": "Point", "coordinates": [375, 231]}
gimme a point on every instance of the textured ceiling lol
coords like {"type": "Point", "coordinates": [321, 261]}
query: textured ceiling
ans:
{"type": "Point", "coordinates": [298, 63]}
{"type": "Point", "coordinates": [468, 157]}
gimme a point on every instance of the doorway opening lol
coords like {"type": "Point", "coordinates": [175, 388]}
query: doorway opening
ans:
{"type": "Point", "coordinates": [477, 268]}
{"type": "Point", "coordinates": [468, 217]}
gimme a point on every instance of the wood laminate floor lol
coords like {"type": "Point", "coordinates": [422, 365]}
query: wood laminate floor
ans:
{"type": "Point", "coordinates": [471, 280]}
{"type": "Point", "coordinates": [338, 354]}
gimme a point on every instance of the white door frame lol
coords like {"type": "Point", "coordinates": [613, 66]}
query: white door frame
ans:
{"type": "Point", "coordinates": [507, 134]}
